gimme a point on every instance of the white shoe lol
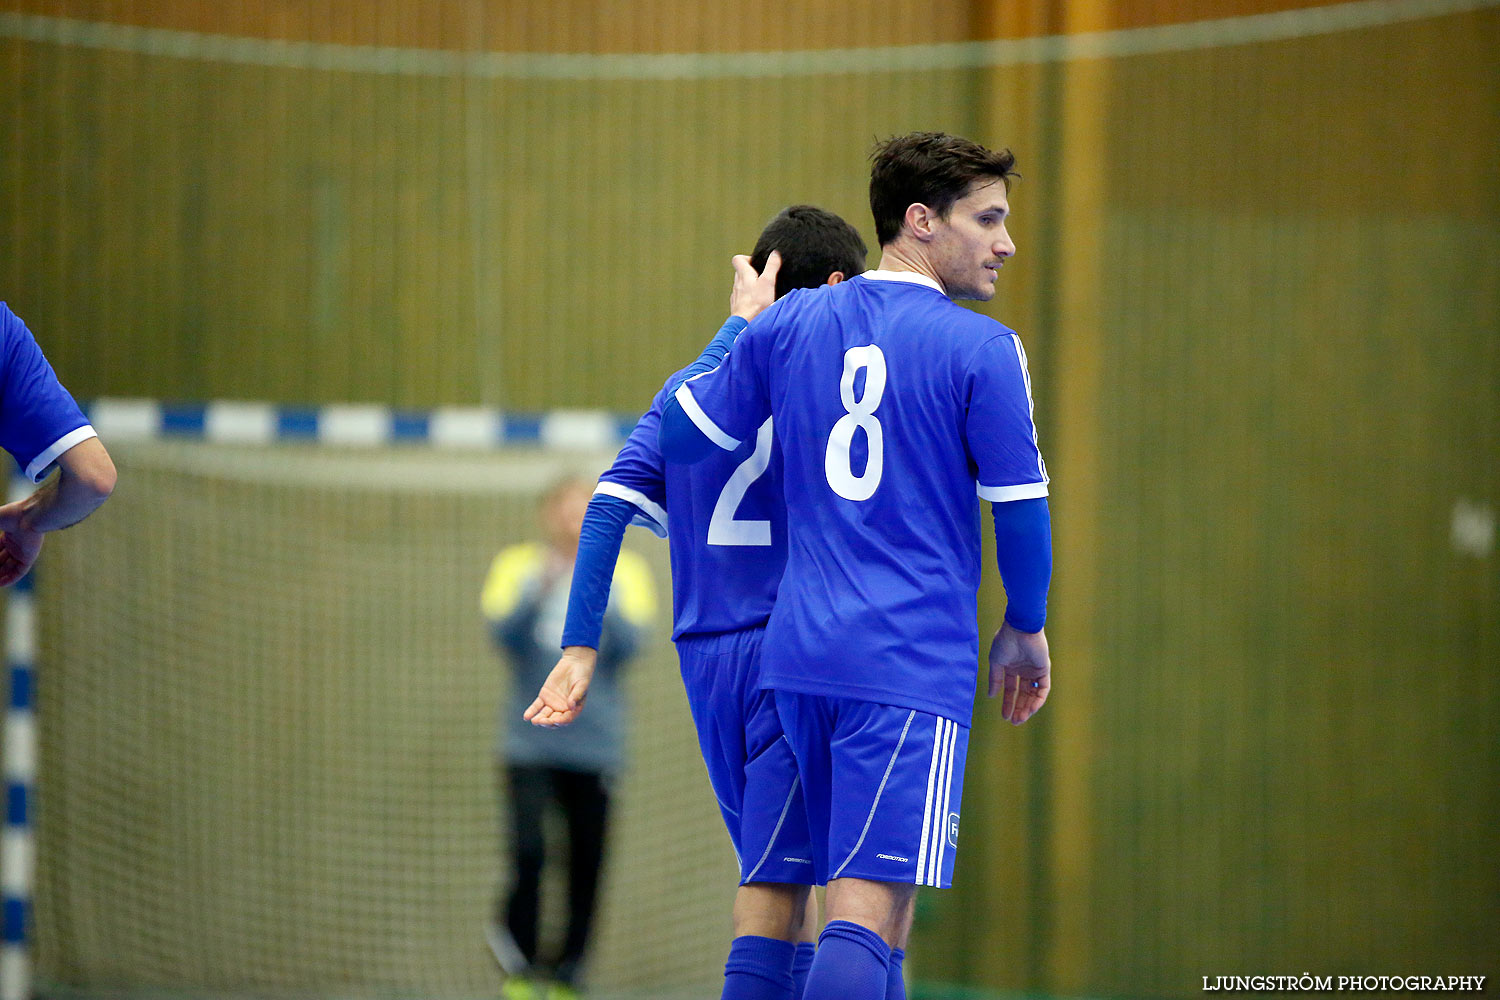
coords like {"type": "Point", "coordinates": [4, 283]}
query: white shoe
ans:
{"type": "Point", "coordinates": [505, 950]}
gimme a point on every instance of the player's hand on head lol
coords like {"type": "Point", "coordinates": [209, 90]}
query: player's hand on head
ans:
{"type": "Point", "coordinates": [751, 292]}
{"type": "Point", "coordinates": [1021, 667]}
{"type": "Point", "coordinates": [561, 697]}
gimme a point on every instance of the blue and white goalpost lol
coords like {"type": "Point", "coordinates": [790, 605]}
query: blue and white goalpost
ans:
{"type": "Point", "coordinates": [16, 845]}
{"type": "Point", "coordinates": [230, 423]}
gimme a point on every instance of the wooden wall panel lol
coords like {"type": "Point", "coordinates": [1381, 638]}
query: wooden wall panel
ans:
{"type": "Point", "coordinates": [1298, 382]}
{"type": "Point", "coordinates": [613, 26]}
{"type": "Point", "coordinates": [1109, 14]}
{"type": "Point", "coordinates": [307, 235]}
{"type": "Point", "coordinates": [620, 26]}
{"type": "Point", "coordinates": [246, 233]}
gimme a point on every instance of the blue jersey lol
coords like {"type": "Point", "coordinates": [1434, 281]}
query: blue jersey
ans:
{"type": "Point", "coordinates": [898, 410]}
{"type": "Point", "coordinates": [39, 420]}
{"type": "Point", "coordinates": [727, 523]}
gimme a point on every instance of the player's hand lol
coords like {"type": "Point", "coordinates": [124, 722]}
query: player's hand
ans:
{"type": "Point", "coordinates": [561, 697]}
{"type": "Point", "coordinates": [1022, 667]}
{"type": "Point", "coordinates": [18, 546]}
{"type": "Point", "coordinates": [753, 292]}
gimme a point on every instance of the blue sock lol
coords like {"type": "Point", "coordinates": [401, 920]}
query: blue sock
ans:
{"type": "Point", "coordinates": [759, 968]}
{"type": "Point", "coordinates": [895, 983]}
{"type": "Point", "coordinates": [801, 966]}
{"type": "Point", "coordinates": [851, 964]}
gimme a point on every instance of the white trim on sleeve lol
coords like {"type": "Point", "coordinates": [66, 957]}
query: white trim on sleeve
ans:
{"type": "Point", "coordinates": [703, 421]}
{"type": "Point", "coordinates": [1030, 405]}
{"type": "Point", "coordinates": [37, 470]}
{"type": "Point", "coordinates": [1002, 494]}
{"type": "Point", "coordinates": [656, 515]}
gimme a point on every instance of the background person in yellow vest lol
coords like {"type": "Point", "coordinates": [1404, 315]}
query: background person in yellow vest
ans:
{"type": "Point", "coordinates": [525, 599]}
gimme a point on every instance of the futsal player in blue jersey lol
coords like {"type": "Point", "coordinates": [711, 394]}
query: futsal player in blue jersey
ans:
{"type": "Point", "coordinates": [727, 529]}
{"type": "Point", "coordinates": [897, 410]}
{"type": "Point", "coordinates": [43, 428]}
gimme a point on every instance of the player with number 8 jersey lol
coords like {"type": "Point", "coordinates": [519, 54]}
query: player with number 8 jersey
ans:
{"type": "Point", "coordinates": [897, 411]}
{"type": "Point", "coordinates": [908, 409]}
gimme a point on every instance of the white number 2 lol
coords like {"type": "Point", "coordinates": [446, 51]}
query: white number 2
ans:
{"type": "Point", "coordinates": [723, 527]}
{"type": "Point", "coordinates": [858, 415]}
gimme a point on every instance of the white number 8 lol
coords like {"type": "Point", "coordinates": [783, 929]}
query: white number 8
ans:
{"type": "Point", "coordinates": [858, 415]}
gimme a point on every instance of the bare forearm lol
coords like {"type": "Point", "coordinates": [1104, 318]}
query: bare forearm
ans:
{"type": "Point", "coordinates": [58, 504]}
{"type": "Point", "coordinates": [85, 480]}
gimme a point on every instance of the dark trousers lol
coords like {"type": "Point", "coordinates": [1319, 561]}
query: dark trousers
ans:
{"type": "Point", "coordinates": [584, 803]}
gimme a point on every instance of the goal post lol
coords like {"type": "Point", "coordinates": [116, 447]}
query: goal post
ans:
{"type": "Point", "coordinates": [16, 839]}
{"type": "Point", "coordinates": [267, 708]}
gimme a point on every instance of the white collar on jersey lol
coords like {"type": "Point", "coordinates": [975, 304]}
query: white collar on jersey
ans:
{"type": "Point", "coordinates": [911, 276]}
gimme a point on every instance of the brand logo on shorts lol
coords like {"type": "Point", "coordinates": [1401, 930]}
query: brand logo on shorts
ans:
{"type": "Point", "coordinates": [799, 861]}
{"type": "Point", "coordinates": [953, 829]}
{"type": "Point", "coordinates": [892, 857]}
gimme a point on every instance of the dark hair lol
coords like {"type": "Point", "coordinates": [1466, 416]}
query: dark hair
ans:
{"type": "Point", "coordinates": [931, 168]}
{"type": "Point", "coordinates": [813, 244]}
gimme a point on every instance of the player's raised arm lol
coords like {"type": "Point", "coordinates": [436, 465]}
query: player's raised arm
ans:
{"type": "Point", "coordinates": [752, 292]}
{"type": "Point", "coordinates": [688, 432]}
{"type": "Point", "coordinates": [687, 435]}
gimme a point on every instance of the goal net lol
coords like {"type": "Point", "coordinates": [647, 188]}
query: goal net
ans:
{"type": "Point", "coordinates": [267, 711]}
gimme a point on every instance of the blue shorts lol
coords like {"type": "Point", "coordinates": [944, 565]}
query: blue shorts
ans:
{"type": "Point", "coordinates": [750, 766]}
{"type": "Point", "coordinates": [883, 785]}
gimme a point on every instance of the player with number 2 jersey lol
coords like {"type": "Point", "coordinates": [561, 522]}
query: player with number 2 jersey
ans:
{"type": "Point", "coordinates": [726, 525]}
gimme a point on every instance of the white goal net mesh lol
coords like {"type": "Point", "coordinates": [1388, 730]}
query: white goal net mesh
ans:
{"type": "Point", "coordinates": [267, 714]}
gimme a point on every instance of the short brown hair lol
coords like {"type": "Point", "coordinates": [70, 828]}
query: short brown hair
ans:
{"type": "Point", "coordinates": [931, 168]}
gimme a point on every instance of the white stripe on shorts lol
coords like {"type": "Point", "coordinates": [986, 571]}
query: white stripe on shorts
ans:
{"type": "Point", "coordinates": [935, 809]}
{"type": "Point", "coordinates": [942, 816]}
{"type": "Point", "coordinates": [927, 802]}
{"type": "Point", "coordinates": [930, 877]}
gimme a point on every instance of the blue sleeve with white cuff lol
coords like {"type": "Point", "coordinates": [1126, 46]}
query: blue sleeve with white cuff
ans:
{"type": "Point", "coordinates": [713, 355]}
{"type": "Point", "coordinates": [39, 420]}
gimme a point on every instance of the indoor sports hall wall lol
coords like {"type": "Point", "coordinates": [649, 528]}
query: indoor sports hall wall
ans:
{"type": "Point", "coordinates": [470, 217]}
{"type": "Point", "coordinates": [1279, 368]}
{"type": "Point", "coordinates": [1256, 282]}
